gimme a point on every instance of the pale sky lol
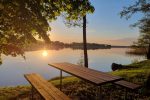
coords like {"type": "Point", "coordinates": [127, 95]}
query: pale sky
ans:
{"type": "Point", "coordinates": [104, 25]}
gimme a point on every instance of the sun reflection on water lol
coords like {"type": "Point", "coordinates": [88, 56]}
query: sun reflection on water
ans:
{"type": "Point", "coordinates": [44, 53]}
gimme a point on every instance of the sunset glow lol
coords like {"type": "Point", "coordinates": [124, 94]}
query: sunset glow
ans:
{"type": "Point", "coordinates": [44, 53]}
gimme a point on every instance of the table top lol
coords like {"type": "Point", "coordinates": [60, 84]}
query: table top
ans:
{"type": "Point", "coordinates": [91, 75]}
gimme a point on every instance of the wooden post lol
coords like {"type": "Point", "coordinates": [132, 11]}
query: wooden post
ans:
{"type": "Point", "coordinates": [32, 92]}
{"type": "Point", "coordinates": [60, 79]}
{"type": "Point", "coordinates": [125, 93]}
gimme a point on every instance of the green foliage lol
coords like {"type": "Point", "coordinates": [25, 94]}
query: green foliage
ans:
{"type": "Point", "coordinates": [22, 20]}
{"type": "Point", "coordinates": [142, 64]}
{"type": "Point", "coordinates": [144, 38]}
{"type": "Point", "coordinates": [11, 93]}
{"type": "Point", "coordinates": [142, 6]}
{"type": "Point", "coordinates": [137, 74]}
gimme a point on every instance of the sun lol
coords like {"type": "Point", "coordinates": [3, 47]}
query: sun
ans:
{"type": "Point", "coordinates": [44, 53]}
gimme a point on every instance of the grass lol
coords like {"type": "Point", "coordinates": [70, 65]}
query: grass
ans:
{"type": "Point", "coordinates": [12, 93]}
{"type": "Point", "coordinates": [65, 81]}
{"type": "Point", "coordinates": [138, 72]}
{"type": "Point", "coordinates": [74, 87]}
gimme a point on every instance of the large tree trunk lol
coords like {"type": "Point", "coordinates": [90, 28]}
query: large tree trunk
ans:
{"type": "Point", "coordinates": [85, 42]}
{"type": "Point", "coordinates": [148, 52]}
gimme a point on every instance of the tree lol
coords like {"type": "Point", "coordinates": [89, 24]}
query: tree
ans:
{"type": "Point", "coordinates": [142, 6]}
{"type": "Point", "coordinates": [78, 23]}
{"type": "Point", "coordinates": [85, 42]}
{"type": "Point", "coordinates": [22, 20]}
{"type": "Point", "coordinates": [144, 38]}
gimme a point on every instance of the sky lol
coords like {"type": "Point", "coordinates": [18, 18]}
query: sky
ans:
{"type": "Point", "coordinates": [104, 26]}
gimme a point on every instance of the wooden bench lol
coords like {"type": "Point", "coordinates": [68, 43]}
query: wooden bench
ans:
{"type": "Point", "coordinates": [127, 85]}
{"type": "Point", "coordinates": [45, 88]}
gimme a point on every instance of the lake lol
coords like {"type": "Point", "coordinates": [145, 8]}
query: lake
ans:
{"type": "Point", "coordinates": [13, 68]}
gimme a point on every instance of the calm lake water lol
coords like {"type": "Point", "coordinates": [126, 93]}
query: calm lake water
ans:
{"type": "Point", "coordinates": [13, 68]}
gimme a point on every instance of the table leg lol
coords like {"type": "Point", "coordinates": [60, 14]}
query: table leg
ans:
{"type": "Point", "coordinates": [126, 94]}
{"type": "Point", "coordinates": [60, 79]}
{"type": "Point", "coordinates": [32, 92]}
{"type": "Point", "coordinates": [99, 93]}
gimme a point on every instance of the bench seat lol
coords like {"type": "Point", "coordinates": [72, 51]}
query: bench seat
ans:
{"type": "Point", "coordinates": [128, 85]}
{"type": "Point", "coordinates": [45, 88]}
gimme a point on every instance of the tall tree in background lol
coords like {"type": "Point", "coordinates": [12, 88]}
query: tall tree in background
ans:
{"type": "Point", "coordinates": [142, 6]}
{"type": "Point", "coordinates": [22, 20]}
{"type": "Point", "coordinates": [87, 5]}
{"type": "Point", "coordinates": [144, 38]}
{"type": "Point", "coordinates": [85, 43]}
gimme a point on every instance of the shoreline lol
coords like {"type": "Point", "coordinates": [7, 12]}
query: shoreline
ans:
{"type": "Point", "coordinates": [73, 86]}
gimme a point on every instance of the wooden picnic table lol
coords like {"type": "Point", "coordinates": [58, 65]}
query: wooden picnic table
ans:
{"type": "Point", "coordinates": [93, 76]}
{"type": "Point", "coordinates": [96, 77]}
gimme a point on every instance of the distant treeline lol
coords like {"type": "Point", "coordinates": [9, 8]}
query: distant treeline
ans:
{"type": "Point", "coordinates": [76, 45]}
{"type": "Point", "coordinates": [60, 45]}
{"type": "Point", "coordinates": [120, 46]}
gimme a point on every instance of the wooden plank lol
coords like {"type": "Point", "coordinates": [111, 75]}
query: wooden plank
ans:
{"type": "Point", "coordinates": [85, 69]}
{"type": "Point", "coordinates": [57, 92]}
{"type": "Point", "coordinates": [95, 73]}
{"type": "Point", "coordinates": [128, 85]}
{"type": "Point", "coordinates": [82, 75]}
{"type": "Point", "coordinates": [90, 75]}
{"type": "Point", "coordinates": [38, 87]}
{"type": "Point", "coordinates": [46, 89]}
{"type": "Point", "coordinates": [35, 76]}
{"type": "Point", "coordinates": [100, 79]}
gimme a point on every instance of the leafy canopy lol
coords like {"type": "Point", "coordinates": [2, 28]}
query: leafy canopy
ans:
{"type": "Point", "coordinates": [22, 20]}
{"type": "Point", "coordinates": [142, 6]}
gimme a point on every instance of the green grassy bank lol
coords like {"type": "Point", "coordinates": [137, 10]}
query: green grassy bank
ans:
{"type": "Point", "coordinates": [137, 73]}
